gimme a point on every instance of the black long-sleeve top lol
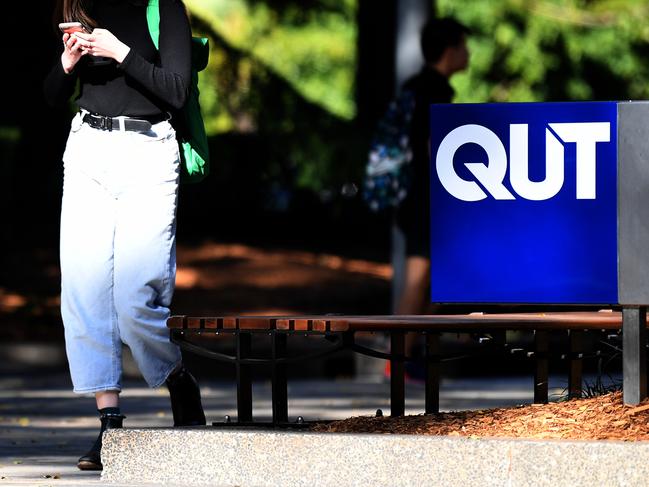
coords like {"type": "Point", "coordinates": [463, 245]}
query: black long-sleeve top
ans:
{"type": "Point", "coordinates": [148, 82]}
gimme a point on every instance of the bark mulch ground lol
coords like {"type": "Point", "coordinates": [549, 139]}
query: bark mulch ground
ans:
{"type": "Point", "coordinates": [600, 418]}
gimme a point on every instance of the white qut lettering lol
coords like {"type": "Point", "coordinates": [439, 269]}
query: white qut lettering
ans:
{"type": "Point", "coordinates": [586, 136]}
{"type": "Point", "coordinates": [490, 175]}
{"type": "Point", "coordinates": [519, 165]}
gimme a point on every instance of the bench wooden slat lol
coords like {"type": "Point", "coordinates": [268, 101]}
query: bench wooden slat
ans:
{"type": "Point", "coordinates": [194, 323]}
{"type": "Point", "coordinates": [256, 323]}
{"type": "Point", "coordinates": [572, 320]}
{"type": "Point", "coordinates": [213, 323]}
{"type": "Point", "coordinates": [535, 321]}
{"type": "Point", "coordinates": [302, 324]}
{"type": "Point", "coordinates": [283, 324]}
{"type": "Point", "coordinates": [339, 325]}
{"type": "Point", "coordinates": [176, 322]}
{"type": "Point", "coordinates": [319, 325]}
{"type": "Point", "coordinates": [293, 324]}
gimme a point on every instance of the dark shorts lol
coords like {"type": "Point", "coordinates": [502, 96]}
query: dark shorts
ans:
{"type": "Point", "coordinates": [413, 220]}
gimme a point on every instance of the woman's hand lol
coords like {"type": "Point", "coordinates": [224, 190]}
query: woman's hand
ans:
{"type": "Point", "coordinates": [72, 52]}
{"type": "Point", "coordinates": [102, 43]}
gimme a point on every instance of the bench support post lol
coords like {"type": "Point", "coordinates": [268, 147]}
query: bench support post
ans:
{"type": "Point", "coordinates": [279, 383]}
{"type": "Point", "coordinates": [575, 360]}
{"type": "Point", "coordinates": [541, 348]}
{"type": "Point", "coordinates": [634, 353]}
{"type": "Point", "coordinates": [244, 378]}
{"type": "Point", "coordinates": [397, 374]}
{"type": "Point", "coordinates": [433, 367]}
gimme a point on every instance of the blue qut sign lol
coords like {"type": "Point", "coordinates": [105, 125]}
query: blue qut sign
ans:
{"type": "Point", "coordinates": [524, 203]}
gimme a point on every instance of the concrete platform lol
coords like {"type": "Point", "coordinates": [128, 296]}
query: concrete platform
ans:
{"type": "Point", "coordinates": [44, 427]}
{"type": "Point", "coordinates": [205, 456]}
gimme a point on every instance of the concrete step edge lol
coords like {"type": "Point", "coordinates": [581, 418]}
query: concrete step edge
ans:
{"type": "Point", "coordinates": [205, 456]}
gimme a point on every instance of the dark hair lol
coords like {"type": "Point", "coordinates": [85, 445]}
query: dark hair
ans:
{"type": "Point", "coordinates": [73, 11]}
{"type": "Point", "coordinates": [438, 34]}
{"type": "Point", "coordinates": [79, 11]}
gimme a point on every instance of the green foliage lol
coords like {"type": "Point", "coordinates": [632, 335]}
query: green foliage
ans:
{"type": "Point", "coordinates": [281, 78]}
{"type": "Point", "coordinates": [313, 49]}
{"type": "Point", "coordinates": [543, 50]}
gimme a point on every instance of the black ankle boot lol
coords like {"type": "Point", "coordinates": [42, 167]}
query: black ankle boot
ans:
{"type": "Point", "coordinates": [185, 399]}
{"type": "Point", "coordinates": [110, 418]}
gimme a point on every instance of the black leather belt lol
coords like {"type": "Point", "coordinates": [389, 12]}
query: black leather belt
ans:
{"type": "Point", "coordinates": [123, 123]}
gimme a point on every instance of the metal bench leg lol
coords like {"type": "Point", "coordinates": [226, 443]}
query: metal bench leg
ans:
{"type": "Point", "coordinates": [634, 352]}
{"type": "Point", "coordinates": [541, 341]}
{"type": "Point", "coordinates": [397, 374]}
{"type": "Point", "coordinates": [575, 358]}
{"type": "Point", "coordinates": [279, 382]}
{"type": "Point", "coordinates": [433, 370]}
{"type": "Point", "coordinates": [244, 378]}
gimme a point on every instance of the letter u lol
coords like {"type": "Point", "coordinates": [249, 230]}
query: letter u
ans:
{"type": "Point", "coordinates": [519, 165]}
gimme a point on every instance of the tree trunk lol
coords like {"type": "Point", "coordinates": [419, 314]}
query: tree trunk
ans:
{"type": "Point", "coordinates": [411, 17]}
{"type": "Point", "coordinates": [376, 59]}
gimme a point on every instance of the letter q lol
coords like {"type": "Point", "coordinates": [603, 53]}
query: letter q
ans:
{"type": "Point", "coordinates": [490, 175]}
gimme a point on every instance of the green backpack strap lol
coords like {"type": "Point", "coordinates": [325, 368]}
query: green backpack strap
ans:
{"type": "Point", "coordinates": [200, 45]}
{"type": "Point", "coordinates": [153, 19]}
{"type": "Point", "coordinates": [190, 128]}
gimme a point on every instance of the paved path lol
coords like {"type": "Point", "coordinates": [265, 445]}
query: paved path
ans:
{"type": "Point", "coordinates": [44, 427]}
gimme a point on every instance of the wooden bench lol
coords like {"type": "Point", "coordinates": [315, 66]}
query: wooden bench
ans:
{"type": "Point", "coordinates": [340, 331]}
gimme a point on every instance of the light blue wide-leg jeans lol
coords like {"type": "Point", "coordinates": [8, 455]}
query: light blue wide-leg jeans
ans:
{"type": "Point", "coordinates": [118, 253]}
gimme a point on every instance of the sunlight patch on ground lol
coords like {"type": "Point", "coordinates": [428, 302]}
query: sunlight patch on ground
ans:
{"type": "Point", "coordinates": [10, 302]}
{"type": "Point", "coordinates": [265, 268]}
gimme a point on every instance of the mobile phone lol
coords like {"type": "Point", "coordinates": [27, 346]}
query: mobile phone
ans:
{"type": "Point", "coordinates": [72, 27]}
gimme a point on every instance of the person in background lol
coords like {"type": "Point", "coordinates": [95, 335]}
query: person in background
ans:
{"type": "Point", "coordinates": [444, 46]}
{"type": "Point", "coordinates": [120, 191]}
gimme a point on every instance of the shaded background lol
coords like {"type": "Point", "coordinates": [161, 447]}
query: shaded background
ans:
{"type": "Point", "coordinates": [291, 97]}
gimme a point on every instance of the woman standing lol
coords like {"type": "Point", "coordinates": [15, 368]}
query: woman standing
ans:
{"type": "Point", "coordinates": [118, 217]}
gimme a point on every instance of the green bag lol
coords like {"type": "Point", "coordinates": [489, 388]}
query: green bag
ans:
{"type": "Point", "coordinates": [188, 122]}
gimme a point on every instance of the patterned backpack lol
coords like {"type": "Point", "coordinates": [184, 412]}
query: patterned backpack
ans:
{"type": "Point", "coordinates": [388, 173]}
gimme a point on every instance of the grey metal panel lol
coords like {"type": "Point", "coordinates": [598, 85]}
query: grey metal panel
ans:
{"type": "Point", "coordinates": [634, 341]}
{"type": "Point", "coordinates": [633, 203]}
